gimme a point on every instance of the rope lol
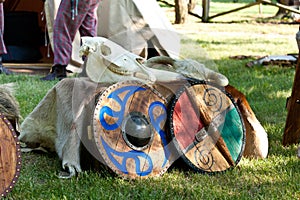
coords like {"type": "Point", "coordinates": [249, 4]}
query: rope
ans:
{"type": "Point", "coordinates": [74, 8]}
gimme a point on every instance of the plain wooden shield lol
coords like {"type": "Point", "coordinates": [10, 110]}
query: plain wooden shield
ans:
{"type": "Point", "coordinates": [206, 127]}
{"type": "Point", "coordinates": [129, 130]}
{"type": "Point", "coordinates": [10, 156]}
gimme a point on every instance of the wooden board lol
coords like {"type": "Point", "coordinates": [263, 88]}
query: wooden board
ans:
{"type": "Point", "coordinates": [29, 68]}
{"type": "Point", "coordinates": [129, 130]}
{"type": "Point", "coordinates": [10, 156]}
{"type": "Point", "coordinates": [206, 127]}
{"type": "Point", "coordinates": [292, 127]}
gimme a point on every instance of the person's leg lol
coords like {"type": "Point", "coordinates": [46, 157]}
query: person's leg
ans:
{"type": "Point", "coordinates": [3, 70]}
{"type": "Point", "coordinates": [89, 24]}
{"type": "Point", "coordinates": [64, 32]}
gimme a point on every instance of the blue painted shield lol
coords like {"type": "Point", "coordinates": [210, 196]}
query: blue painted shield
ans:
{"type": "Point", "coordinates": [129, 130]}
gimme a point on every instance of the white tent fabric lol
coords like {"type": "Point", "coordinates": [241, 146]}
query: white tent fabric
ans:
{"type": "Point", "coordinates": [133, 24]}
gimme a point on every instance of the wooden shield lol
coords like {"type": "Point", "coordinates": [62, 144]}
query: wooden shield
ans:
{"type": "Point", "coordinates": [10, 156]}
{"type": "Point", "coordinates": [206, 127]}
{"type": "Point", "coordinates": [129, 130]}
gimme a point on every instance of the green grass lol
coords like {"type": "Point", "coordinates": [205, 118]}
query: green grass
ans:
{"type": "Point", "coordinates": [266, 88]}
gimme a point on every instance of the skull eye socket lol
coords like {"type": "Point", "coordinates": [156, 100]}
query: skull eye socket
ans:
{"type": "Point", "coordinates": [105, 50]}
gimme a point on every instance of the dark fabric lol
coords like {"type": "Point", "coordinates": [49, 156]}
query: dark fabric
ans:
{"type": "Point", "coordinates": [22, 29]}
{"type": "Point", "coordinates": [22, 54]}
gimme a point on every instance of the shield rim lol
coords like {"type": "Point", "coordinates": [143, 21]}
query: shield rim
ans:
{"type": "Point", "coordinates": [191, 82]}
{"type": "Point", "coordinates": [18, 156]}
{"type": "Point", "coordinates": [104, 157]}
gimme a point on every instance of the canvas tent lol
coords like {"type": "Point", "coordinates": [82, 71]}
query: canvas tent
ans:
{"type": "Point", "coordinates": [134, 24]}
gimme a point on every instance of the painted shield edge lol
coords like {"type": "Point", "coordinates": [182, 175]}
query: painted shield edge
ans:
{"type": "Point", "coordinates": [171, 106]}
{"type": "Point", "coordinates": [18, 154]}
{"type": "Point", "coordinates": [116, 172]}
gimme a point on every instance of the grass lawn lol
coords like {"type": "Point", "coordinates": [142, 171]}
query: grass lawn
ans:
{"type": "Point", "coordinates": [266, 88]}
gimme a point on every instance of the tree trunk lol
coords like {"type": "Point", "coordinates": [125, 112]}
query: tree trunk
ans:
{"type": "Point", "coordinates": [191, 5]}
{"type": "Point", "coordinates": [181, 11]}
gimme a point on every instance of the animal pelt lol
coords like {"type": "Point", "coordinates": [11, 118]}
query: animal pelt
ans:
{"type": "Point", "coordinates": [257, 144]}
{"type": "Point", "coordinates": [9, 105]}
{"type": "Point", "coordinates": [57, 122]}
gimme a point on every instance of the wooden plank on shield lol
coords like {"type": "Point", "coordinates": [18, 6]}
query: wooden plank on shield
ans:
{"type": "Point", "coordinates": [10, 156]}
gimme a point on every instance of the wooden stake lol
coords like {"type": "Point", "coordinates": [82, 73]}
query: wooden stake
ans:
{"type": "Point", "coordinates": [292, 128]}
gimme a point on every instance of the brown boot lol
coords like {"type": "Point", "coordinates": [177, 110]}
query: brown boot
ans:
{"type": "Point", "coordinates": [57, 72]}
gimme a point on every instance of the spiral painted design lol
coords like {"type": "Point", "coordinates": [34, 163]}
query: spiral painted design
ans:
{"type": "Point", "coordinates": [107, 110]}
{"type": "Point", "coordinates": [133, 155]}
{"type": "Point", "coordinates": [204, 159]}
{"type": "Point", "coordinates": [213, 99]}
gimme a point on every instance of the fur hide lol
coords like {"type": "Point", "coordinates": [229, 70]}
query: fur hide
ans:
{"type": "Point", "coordinates": [257, 143]}
{"type": "Point", "coordinates": [9, 106]}
{"type": "Point", "coordinates": [53, 125]}
{"type": "Point", "coordinates": [60, 122]}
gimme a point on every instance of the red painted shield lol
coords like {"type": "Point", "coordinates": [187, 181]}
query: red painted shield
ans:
{"type": "Point", "coordinates": [206, 127]}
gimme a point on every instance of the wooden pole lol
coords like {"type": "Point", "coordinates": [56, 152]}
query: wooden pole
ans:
{"type": "Point", "coordinates": [205, 10]}
{"type": "Point", "coordinates": [279, 5]}
{"type": "Point", "coordinates": [233, 10]}
{"type": "Point", "coordinates": [292, 128]}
